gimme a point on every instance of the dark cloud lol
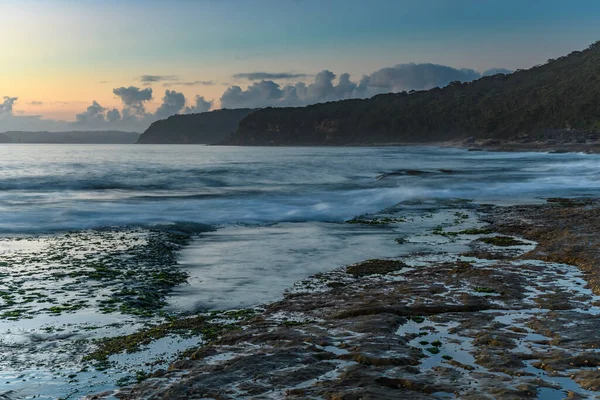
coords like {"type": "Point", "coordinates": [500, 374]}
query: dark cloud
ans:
{"type": "Point", "coordinates": [36, 103]}
{"type": "Point", "coordinates": [173, 103]}
{"type": "Point", "coordinates": [133, 116]}
{"type": "Point", "coordinates": [325, 87]}
{"type": "Point", "coordinates": [148, 79]}
{"type": "Point", "coordinates": [263, 92]}
{"type": "Point", "coordinates": [113, 115]}
{"type": "Point", "coordinates": [93, 115]}
{"type": "Point", "coordinates": [201, 105]}
{"type": "Point", "coordinates": [259, 76]}
{"type": "Point", "coordinates": [98, 117]}
{"type": "Point", "coordinates": [194, 83]}
{"type": "Point", "coordinates": [418, 77]}
{"type": "Point", "coordinates": [6, 107]}
{"type": "Point", "coordinates": [270, 93]}
{"type": "Point", "coordinates": [133, 99]}
{"type": "Point", "coordinates": [12, 122]}
{"type": "Point", "coordinates": [345, 87]}
{"type": "Point", "coordinates": [130, 96]}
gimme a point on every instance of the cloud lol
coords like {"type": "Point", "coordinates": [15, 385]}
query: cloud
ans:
{"type": "Point", "coordinates": [36, 103]}
{"type": "Point", "coordinates": [194, 83]}
{"type": "Point", "coordinates": [133, 116]}
{"type": "Point", "coordinates": [494, 71]}
{"type": "Point", "coordinates": [269, 93]}
{"type": "Point", "coordinates": [418, 77]}
{"type": "Point", "coordinates": [345, 87]}
{"type": "Point", "coordinates": [92, 115]}
{"type": "Point", "coordinates": [133, 99]}
{"type": "Point", "coordinates": [172, 80]}
{"type": "Point", "coordinates": [149, 79]}
{"type": "Point", "coordinates": [325, 87]}
{"type": "Point", "coordinates": [11, 122]}
{"type": "Point", "coordinates": [201, 105]}
{"type": "Point", "coordinates": [113, 115]}
{"type": "Point", "coordinates": [259, 76]}
{"type": "Point", "coordinates": [6, 107]}
{"type": "Point", "coordinates": [173, 103]}
{"type": "Point", "coordinates": [263, 92]}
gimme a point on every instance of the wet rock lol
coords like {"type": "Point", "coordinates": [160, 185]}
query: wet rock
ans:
{"type": "Point", "coordinates": [517, 325]}
{"type": "Point", "coordinates": [372, 267]}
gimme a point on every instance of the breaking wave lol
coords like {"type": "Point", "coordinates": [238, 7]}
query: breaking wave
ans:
{"type": "Point", "coordinates": [49, 188]}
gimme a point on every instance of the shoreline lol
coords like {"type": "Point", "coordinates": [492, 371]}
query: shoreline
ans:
{"type": "Point", "coordinates": [425, 326]}
{"type": "Point", "coordinates": [481, 145]}
{"type": "Point", "coordinates": [592, 148]}
{"type": "Point", "coordinates": [585, 148]}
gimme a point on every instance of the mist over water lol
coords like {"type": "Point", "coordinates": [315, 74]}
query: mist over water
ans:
{"type": "Point", "coordinates": [62, 187]}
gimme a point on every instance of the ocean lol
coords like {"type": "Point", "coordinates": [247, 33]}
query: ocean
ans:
{"type": "Point", "coordinates": [231, 227]}
{"type": "Point", "coordinates": [47, 188]}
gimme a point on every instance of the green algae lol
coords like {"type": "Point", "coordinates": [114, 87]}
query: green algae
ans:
{"type": "Point", "coordinates": [476, 231]}
{"type": "Point", "coordinates": [209, 326]}
{"type": "Point", "coordinates": [15, 315]}
{"type": "Point", "coordinates": [243, 314]}
{"type": "Point", "coordinates": [439, 230]}
{"type": "Point", "coordinates": [376, 221]}
{"type": "Point", "coordinates": [460, 217]}
{"type": "Point", "coordinates": [66, 307]}
{"type": "Point", "coordinates": [480, 289]}
{"type": "Point", "coordinates": [133, 342]}
{"type": "Point", "coordinates": [127, 271]}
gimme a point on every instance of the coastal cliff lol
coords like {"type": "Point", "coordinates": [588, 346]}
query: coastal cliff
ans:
{"type": "Point", "coordinates": [546, 101]}
{"type": "Point", "coordinates": [203, 128]}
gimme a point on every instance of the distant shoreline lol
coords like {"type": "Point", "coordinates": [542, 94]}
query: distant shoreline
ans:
{"type": "Point", "coordinates": [588, 148]}
{"type": "Point", "coordinates": [539, 147]}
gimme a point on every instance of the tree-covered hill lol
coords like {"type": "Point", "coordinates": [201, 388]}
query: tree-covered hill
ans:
{"type": "Point", "coordinates": [203, 128]}
{"type": "Point", "coordinates": [560, 96]}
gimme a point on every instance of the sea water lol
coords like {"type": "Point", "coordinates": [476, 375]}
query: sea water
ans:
{"type": "Point", "coordinates": [268, 217]}
{"type": "Point", "coordinates": [45, 188]}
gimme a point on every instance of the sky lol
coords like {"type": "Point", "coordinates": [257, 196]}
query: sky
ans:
{"type": "Point", "coordinates": [84, 64]}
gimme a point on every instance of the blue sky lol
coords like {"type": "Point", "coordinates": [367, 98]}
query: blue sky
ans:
{"type": "Point", "coordinates": [62, 54]}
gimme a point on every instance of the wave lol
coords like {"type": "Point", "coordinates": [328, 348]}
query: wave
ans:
{"type": "Point", "coordinates": [213, 187]}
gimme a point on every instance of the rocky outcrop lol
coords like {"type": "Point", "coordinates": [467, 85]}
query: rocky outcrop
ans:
{"type": "Point", "coordinates": [203, 128]}
{"type": "Point", "coordinates": [509, 320]}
